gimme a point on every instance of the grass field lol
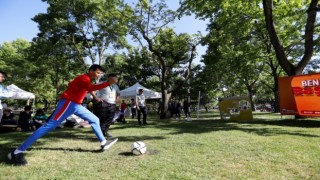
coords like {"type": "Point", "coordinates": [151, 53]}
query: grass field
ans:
{"type": "Point", "coordinates": [208, 148]}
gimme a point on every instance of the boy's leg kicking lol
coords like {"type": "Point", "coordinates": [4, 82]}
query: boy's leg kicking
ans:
{"type": "Point", "coordinates": [64, 109]}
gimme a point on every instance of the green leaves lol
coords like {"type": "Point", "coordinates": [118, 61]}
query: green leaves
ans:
{"type": "Point", "coordinates": [87, 27]}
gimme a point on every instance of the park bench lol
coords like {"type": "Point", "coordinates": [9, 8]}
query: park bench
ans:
{"type": "Point", "coordinates": [7, 128]}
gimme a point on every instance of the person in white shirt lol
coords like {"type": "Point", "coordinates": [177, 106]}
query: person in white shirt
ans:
{"type": "Point", "coordinates": [141, 107]}
{"type": "Point", "coordinates": [105, 106]}
{"type": "Point", "coordinates": [4, 92]}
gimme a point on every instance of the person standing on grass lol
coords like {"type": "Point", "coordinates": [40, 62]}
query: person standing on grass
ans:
{"type": "Point", "coordinates": [105, 107]}
{"type": "Point", "coordinates": [69, 103]}
{"type": "Point", "coordinates": [178, 110]}
{"type": "Point", "coordinates": [186, 109]}
{"type": "Point", "coordinates": [133, 108]}
{"type": "Point", "coordinates": [141, 107]}
{"type": "Point", "coordinates": [4, 92]}
{"type": "Point", "coordinates": [123, 108]}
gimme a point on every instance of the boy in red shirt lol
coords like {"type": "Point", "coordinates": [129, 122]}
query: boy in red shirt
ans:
{"type": "Point", "coordinates": [69, 103]}
{"type": "Point", "coordinates": [123, 109]}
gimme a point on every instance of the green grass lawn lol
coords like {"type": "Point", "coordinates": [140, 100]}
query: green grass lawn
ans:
{"type": "Point", "coordinates": [208, 148]}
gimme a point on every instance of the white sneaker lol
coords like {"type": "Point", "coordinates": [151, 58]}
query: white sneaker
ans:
{"type": "Point", "coordinates": [189, 119]}
{"type": "Point", "coordinates": [108, 144]}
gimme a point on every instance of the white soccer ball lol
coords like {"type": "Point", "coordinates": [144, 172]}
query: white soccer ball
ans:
{"type": "Point", "coordinates": [138, 148]}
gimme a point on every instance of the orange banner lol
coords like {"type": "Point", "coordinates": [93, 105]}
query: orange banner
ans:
{"type": "Point", "coordinates": [300, 95]}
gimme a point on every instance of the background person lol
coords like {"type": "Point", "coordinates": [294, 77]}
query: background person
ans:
{"type": "Point", "coordinates": [4, 92]}
{"type": "Point", "coordinates": [25, 121]}
{"type": "Point", "coordinates": [8, 118]}
{"type": "Point", "coordinates": [133, 108]}
{"type": "Point", "coordinates": [39, 118]}
{"type": "Point", "coordinates": [105, 106]}
{"type": "Point", "coordinates": [178, 109]}
{"type": "Point", "coordinates": [141, 107]}
{"type": "Point", "coordinates": [123, 107]}
{"type": "Point", "coordinates": [186, 109]}
{"type": "Point", "coordinates": [171, 107]}
{"type": "Point", "coordinates": [119, 117]}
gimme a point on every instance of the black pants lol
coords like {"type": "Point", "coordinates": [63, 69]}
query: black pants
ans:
{"type": "Point", "coordinates": [133, 112]}
{"type": "Point", "coordinates": [105, 112]}
{"type": "Point", "coordinates": [26, 126]}
{"type": "Point", "coordinates": [142, 109]}
{"type": "Point", "coordinates": [186, 112]}
{"type": "Point", "coordinates": [178, 113]}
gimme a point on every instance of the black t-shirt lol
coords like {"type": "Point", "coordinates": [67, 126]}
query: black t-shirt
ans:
{"type": "Point", "coordinates": [7, 117]}
{"type": "Point", "coordinates": [24, 117]}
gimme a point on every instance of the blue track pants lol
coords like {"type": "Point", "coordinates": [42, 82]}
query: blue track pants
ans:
{"type": "Point", "coordinates": [64, 109]}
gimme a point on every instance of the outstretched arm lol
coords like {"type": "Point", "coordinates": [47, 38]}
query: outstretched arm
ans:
{"type": "Point", "coordinates": [95, 97]}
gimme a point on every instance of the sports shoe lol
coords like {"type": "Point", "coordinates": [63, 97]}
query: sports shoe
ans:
{"type": "Point", "coordinates": [108, 144]}
{"type": "Point", "coordinates": [17, 159]}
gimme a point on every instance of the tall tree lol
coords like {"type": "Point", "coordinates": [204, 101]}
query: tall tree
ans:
{"type": "Point", "coordinates": [308, 37]}
{"type": "Point", "coordinates": [13, 60]}
{"type": "Point", "coordinates": [290, 20]}
{"type": "Point", "coordinates": [86, 28]}
{"type": "Point", "coordinates": [169, 50]}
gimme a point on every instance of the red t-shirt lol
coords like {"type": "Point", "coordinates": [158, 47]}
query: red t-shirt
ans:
{"type": "Point", "coordinates": [79, 87]}
{"type": "Point", "coordinates": [123, 106]}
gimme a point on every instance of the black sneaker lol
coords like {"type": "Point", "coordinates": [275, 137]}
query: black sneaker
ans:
{"type": "Point", "coordinates": [17, 159]}
{"type": "Point", "coordinates": [108, 144]}
{"type": "Point", "coordinates": [108, 135]}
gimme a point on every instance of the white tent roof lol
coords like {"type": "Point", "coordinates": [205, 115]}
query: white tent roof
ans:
{"type": "Point", "coordinates": [132, 91]}
{"type": "Point", "coordinates": [18, 93]}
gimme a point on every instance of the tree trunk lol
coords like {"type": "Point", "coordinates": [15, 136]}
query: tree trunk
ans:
{"type": "Point", "coordinates": [164, 104]}
{"type": "Point", "coordinates": [276, 104]}
{"type": "Point", "coordinates": [164, 92]}
{"type": "Point", "coordinates": [250, 97]}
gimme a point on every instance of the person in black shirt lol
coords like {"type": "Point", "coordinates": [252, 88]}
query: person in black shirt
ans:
{"type": "Point", "coordinates": [25, 121]}
{"type": "Point", "coordinates": [8, 118]}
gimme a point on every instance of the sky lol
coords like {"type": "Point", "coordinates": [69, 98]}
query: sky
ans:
{"type": "Point", "coordinates": [16, 15]}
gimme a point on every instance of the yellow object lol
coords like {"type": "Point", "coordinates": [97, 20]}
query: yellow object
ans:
{"type": "Point", "coordinates": [235, 108]}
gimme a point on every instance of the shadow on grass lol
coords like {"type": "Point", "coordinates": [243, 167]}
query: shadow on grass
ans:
{"type": "Point", "coordinates": [138, 138]}
{"type": "Point", "coordinates": [263, 128]}
{"type": "Point", "coordinates": [4, 152]}
{"type": "Point", "coordinates": [126, 154]}
{"type": "Point", "coordinates": [68, 149]}
{"type": "Point", "coordinates": [10, 141]}
{"type": "Point", "coordinates": [149, 152]}
{"type": "Point", "coordinates": [288, 123]}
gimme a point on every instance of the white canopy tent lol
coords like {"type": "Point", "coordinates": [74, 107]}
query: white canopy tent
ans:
{"type": "Point", "coordinates": [132, 91]}
{"type": "Point", "coordinates": [18, 93]}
